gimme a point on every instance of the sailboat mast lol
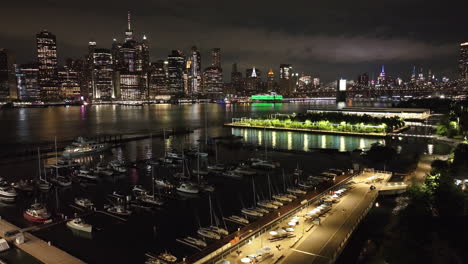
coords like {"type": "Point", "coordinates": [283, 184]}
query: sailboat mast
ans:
{"type": "Point", "coordinates": [253, 188]}
{"type": "Point", "coordinates": [211, 211]}
{"type": "Point", "coordinates": [152, 180]}
{"type": "Point", "coordinates": [269, 185]}
{"type": "Point", "coordinates": [164, 138]}
{"type": "Point", "coordinates": [206, 128]}
{"type": "Point", "coordinates": [264, 142]}
{"type": "Point", "coordinates": [56, 158]}
{"type": "Point", "coordinates": [284, 183]}
{"type": "Point", "coordinates": [216, 152]}
{"type": "Point", "coordinates": [198, 163]}
{"type": "Point", "coordinates": [39, 162]}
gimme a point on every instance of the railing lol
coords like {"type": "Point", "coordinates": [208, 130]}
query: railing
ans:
{"type": "Point", "coordinates": [224, 251]}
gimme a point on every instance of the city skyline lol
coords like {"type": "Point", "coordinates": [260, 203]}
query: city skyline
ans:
{"type": "Point", "coordinates": [327, 53]}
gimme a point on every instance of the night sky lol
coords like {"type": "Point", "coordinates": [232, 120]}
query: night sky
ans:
{"type": "Point", "coordinates": [326, 39]}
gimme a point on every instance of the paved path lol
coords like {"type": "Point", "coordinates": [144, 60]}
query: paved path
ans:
{"type": "Point", "coordinates": [321, 243]}
{"type": "Point", "coordinates": [39, 249]}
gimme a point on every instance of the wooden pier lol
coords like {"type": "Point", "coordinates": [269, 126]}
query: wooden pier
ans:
{"type": "Point", "coordinates": [38, 248]}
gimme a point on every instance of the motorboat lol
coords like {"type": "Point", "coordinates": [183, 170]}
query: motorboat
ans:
{"type": "Point", "coordinates": [275, 202]}
{"type": "Point", "coordinates": [261, 210]}
{"type": "Point", "coordinates": [239, 219]}
{"type": "Point", "coordinates": [82, 147]}
{"type": "Point", "coordinates": [163, 183]}
{"type": "Point", "coordinates": [187, 187]}
{"type": "Point", "coordinates": [219, 230]}
{"type": "Point", "coordinates": [207, 233]}
{"type": "Point", "coordinates": [264, 164]}
{"type": "Point", "coordinates": [24, 185]}
{"type": "Point", "coordinates": [80, 225]}
{"type": "Point", "coordinates": [305, 185]}
{"type": "Point", "coordinates": [37, 213]}
{"type": "Point", "coordinates": [119, 210]}
{"type": "Point", "coordinates": [291, 196]}
{"type": "Point", "coordinates": [7, 193]}
{"type": "Point", "coordinates": [250, 212]}
{"type": "Point", "coordinates": [167, 257]}
{"type": "Point", "coordinates": [267, 204]}
{"type": "Point", "coordinates": [138, 190]}
{"type": "Point", "coordinates": [84, 202]}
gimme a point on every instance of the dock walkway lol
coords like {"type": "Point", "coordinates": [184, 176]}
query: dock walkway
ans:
{"type": "Point", "coordinates": [38, 248]}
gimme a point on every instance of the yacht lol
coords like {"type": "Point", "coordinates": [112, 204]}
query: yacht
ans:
{"type": "Point", "coordinates": [251, 212]}
{"type": "Point", "coordinates": [207, 233]}
{"type": "Point", "coordinates": [219, 230]}
{"type": "Point", "coordinates": [79, 224]}
{"type": "Point", "coordinates": [244, 170]}
{"type": "Point", "coordinates": [275, 202]}
{"type": "Point", "coordinates": [84, 202]}
{"type": "Point", "coordinates": [167, 257]}
{"type": "Point", "coordinates": [37, 213]}
{"type": "Point", "coordinates": [261, 210]}
{"type": "Point", "coordinates": [7, 193]}
{"type": "Point", "coordinates": [119, 210]}
{"type": "Point", "coordinates": [163, 183]}
{"type": "Point", "coordinates": [82, 146]}
{"type": "Point", "coordinates": [263, 164]}
{"type": "Point", "coordinates": [239, 219]}
{"type": "Point", "coordinates": [187, 188]}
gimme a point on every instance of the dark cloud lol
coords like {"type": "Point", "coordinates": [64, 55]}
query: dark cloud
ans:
{"type": "Point", "coordinates": [322, 38]}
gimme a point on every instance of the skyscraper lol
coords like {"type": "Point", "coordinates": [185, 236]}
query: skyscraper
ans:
{"type": "Point", "coordinates": [69, 83]}
{"type": "Point", "coordinates": [463, 62]}
{"type": "Point", "coordinates": [216, 57]}
{"type": "Point", "coordinates": [7, 76]}
{"type": "Point", "coordinates": [102, 74]}
{"type": "Point", "coordinates": [285, 79]}
{"type": "Point", "coordinates": [48, 65]}
{"type": "Point", "coordinates": [236, 79]}
{"type": "Point", "coordinates": [195, 78]}
{"type": "Point", "coordinates": [252, 80]}
{"type": "Point", "coordinates": [270, 80]}
{"type": "Point", "coordinates": [157, 79]}
{"type": "Point", "coordinates": [382, 76]}
{"type": "Point", "coordinates": [363, 79]}
{"type": "Point", "coordinates": [28, 82]}
{"type": "Point", "coordinates": [175, 72]}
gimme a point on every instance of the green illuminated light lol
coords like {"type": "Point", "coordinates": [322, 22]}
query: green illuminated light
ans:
{"type": "Point", "coordinates": [267, 97]}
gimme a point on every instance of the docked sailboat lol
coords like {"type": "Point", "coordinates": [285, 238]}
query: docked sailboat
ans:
{"type": "Point", "coordinates": [82, 147]}
{"type": "Point", "coordinates": [163, 183]}
{"type": "Point", "coordinates": [84, 202]}
{"type": "Point", "coordinates": [24, 185]}
{"type": "Point", "coordinates": [37, 213]}
{"type": "Point", "coordinates": [251, 212]}
{"type": "Point", "coordinates": [239, 219]}
{"type": "Point", "coordinates": [88, 175]}
{"type": "Point", "coordinates": [80, 225]}
{"type": "Point", "coordinates": [167, 257]}
{"type": "Point", "coordinates": [7, 193]}
{"type": "Point", "coordinates": [219, 230]}
{"type": "Point", "coordinates": [244, 170]}
{"type": "Point", "coordinates": [119, 210]}
{"type": "Point", "coordinates": [231, 174]}
{"type": "Point", "coordinates": [194, 242]}
{"type": "Point", "coordinates": [118, 166]}
{"type": "Point", "coordinates": [282, 198]}
{"type": "Point", "coordinates": [207, 233]}
{"type": "Point", "coordinates": [188, 187]}
{"type": "Point", "coordinates": [296, 191]}
{"type": "Point", "coordinates": [267, 204]}
{"type": "Point", "coordinates": [216, 168]}
{"type": "Point", "coordinates": [62, 181]}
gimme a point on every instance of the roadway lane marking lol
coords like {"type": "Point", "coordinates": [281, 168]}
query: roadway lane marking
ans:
{"type": "Point", "coordinates": [308, 253]}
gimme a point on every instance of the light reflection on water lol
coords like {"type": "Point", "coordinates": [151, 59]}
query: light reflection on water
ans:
{"type": "Point", "coordinates": [304, 141]}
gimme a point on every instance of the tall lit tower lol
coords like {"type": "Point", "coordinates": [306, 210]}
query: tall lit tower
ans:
{"type": "Point", "coordinates": [216, 57]}
{"type": "Point", "coordinates": [463, 62]}
{"type": "Point", "coordinates": [270, 80]}
{"type": "Point", "coordinates": [195, 71]}
{"type": "Point", "coordinates": [48, 65]}
{"type": "Point", "coordinates": [129, 32]}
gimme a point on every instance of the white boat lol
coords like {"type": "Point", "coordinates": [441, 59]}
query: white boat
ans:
{"type": "Point", "coordinates": [44, 185]}
{"type": "Point", "coordinates": [138, 190]}
{"type": "Point", "coordinates": [119, 210]}
{"type": "Point", "coordinates": [195, 241]}
{"type": "Point", "coordinates": [187, 188]}
{"type": "Point", "coordinates": [296, 191]}
{"type": "Point", "coordinates": [305, 185]}
{"type": "Point", "coordinates": [239, 219]}
{"type": "Point", "coordinates": [167, 257]}
{"type": "Point", "coordinates": [207, 233]}
{"type": "Point", "coordinates": [232, 174]}
{"type": "Point", "coordinates": [263, 164]}
{"type": "Point", "coordinates": [118, 166]}
{"type": "Point", "coordinates": [282, 198]}
{"type": "Point", "coordinates": [173, 155]}
{"type": "Point", "coordinates": [267, 205]}
{"type": "Point", "coordinates": [216, 168]}
{"type": "Point", "coordinates": [150, 199]}
{"type": "Point", "coordinates": [84, 202]}
{"type": "Point", "coordinates": [219, 230]}
{"type": "Point", "coordinates": [275, 202]}
{"type": "Point", "coordinates": [37, 213]}
{"type": "Point", "coordinates": [79, 224]}
{"type": "Point", "coordinates": [7, 193]}
{"type": "Point", "coordinates": [163, 183]}
{"type": "Point", "coordinates": [200, 172]}
{"type": "Point", "coordinates": [82, 146]}
{"type": "Point", "coordinates": [87, 174]}
{"type": "Point", "coordinates": [251, 212]}
{"type": "Point", "coordinates": [244, 170]}
{"type": "Point", "coordinates": [261, 210]}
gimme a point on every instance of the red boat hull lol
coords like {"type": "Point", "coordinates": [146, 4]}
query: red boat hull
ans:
{"type": "Point", "coordinates": [34, 219]}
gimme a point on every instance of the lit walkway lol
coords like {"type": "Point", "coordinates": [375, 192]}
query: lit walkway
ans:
{"type": "Point", "coordinates": [39, 249]}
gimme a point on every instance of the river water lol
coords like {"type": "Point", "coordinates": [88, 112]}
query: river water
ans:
{"type": "Point", "coordinates": [155, 231]}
